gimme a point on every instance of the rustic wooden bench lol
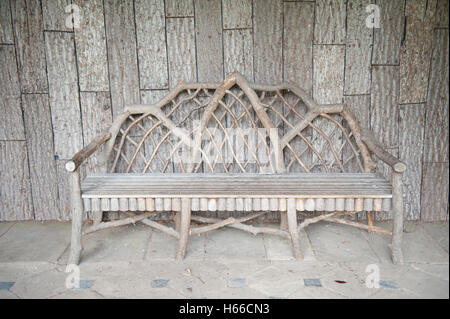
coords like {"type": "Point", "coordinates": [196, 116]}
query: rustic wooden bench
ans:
{"type": "Point", "coordinates": [235, 147]}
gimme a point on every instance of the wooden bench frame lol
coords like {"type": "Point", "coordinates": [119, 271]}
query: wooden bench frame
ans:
{"type": "Point", "coordinates": [359, 141]}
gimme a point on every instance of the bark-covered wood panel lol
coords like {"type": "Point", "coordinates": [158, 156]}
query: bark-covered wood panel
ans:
{"type": "Point", "coordinates": [11, 122]}
{"type": "Point", "coordinates": [55, 15]}
{"type": "Point", "coordinates": [15, 190]}
{"type": "Point", "coordinates": [6, 31]}
{"type": "Point", "coordinates": [237, 14]}
{"type": "Point", "coordinates": [238, 52]}
{"type": "Point", "coordinates": [63, 92]}
{"type": "Point", "coordinates": [177, 8]}
{"type": "Point", "coordinates": [330, 22]}
{"type": "Point", "coordinates": [44, 181]}
{"type": "Point", "coordinates": [434, 192]}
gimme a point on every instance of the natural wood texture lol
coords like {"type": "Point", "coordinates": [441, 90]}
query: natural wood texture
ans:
{"type": "Point", "coordinates": [437, 116]}
{"type": "Point", "coordinates": [30, 48]}
{"type": "Point", "coordinates": [298, 37]}
{"type": "Point", "coordinates": [181, 46]}
{"type": "Point", "coordinates": [292, 226]}
{"type": "Point", "coordinates": [415, 52]}
{"type": "Point", "coordinates": [359, 225]}
{"type": "Point", "coordinates": [6, 31]}
{"type": "Point", "coordinates": [64, 191]}
{"type": "Point", "coordinates": [434, 194]}
{"type": "Point", "coordinates": [328, 86]}
{"type": "Point", "coordinates": [184, 227]}
{"type": "Point", "coordinates": [397, 211]}
{"type": "Point", "coordinates": [151, 44]}
{"type": "Point", "coordinates": [387, 38]}
{"type": "Point", "coordinates": [121, 222]}
{"type": "Point", "coordinates": [176, 8]}
{"type": "Point", "coordinates": [441, 18]}
{"type": "Point", "coordinates": [384, 107]}
{"type": "Point", "coordinates": [76, 205]}
{"type": "Point", "coordinates": [15, 194]}
{"type": "Point", "coordinates": [330, 22]}
{"type": "Point", "coordinates": [11, 122]}
{"type": "Point", "coordinates": [122, 57]}
{"type": "Point", "coordinates": [237, 14]}
{"type": "Point", "coordinates": [238, 52]}
{"type": "Point", "coordinates": [412, 126]}
{"type": "Point", "coordinates": [63, 93]}
{"type": "Point", "coordinates": [54, 15]}
{"type": "Point", "coordinates": [152, 96]}
{"type": "Point", "coordinates": [90, 40]}
{"type": "Point", "coordinates": [82, 155]}
{"type": "Point", "coordinates": [268, 41]}
{"type": "Point", "coordinates": [208, 31]}
{"type": "Point", "coordinates": [38, 125]}
{"type": "Point", "coordinates": [358, 52]}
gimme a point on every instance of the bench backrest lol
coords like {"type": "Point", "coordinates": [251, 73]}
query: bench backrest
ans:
{"type": "Point", "coordinates": [236, 127]}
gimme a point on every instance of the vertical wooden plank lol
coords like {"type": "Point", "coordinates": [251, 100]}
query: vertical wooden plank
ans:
{"type": "Point", "coordinates": [297, 43]}
{"type": "Point", "coordinates": [15, 190]}
{"type": "Point", "coordinates": [384, 108]}
{"type": "Point", "coordinates": [43, 174]}
{"type": "Point", "coordinates": [437, 127]}
{"type": "Point", "coordinates": [177, 8]}
{"type": "Point", "coordinates": [328, 83]}
{"type": "Point", "coordinates": [181, 46]}
{"type": "Point", "coordinates": [360, 106]}
{"type": "Point", "coordinates": [28, 30]}
{"type": "Point", "coordinates": [441, 20]}
{"type": "Point", "coordinates": [96, 118]}
{"type": "Point", "coordinates": [11, 122]}
{"type": "Point", "coordinates": [54, 15]}
{"type": "Point", "coordinates": [152, 96]}
{"type": "Point", "coordinates": [122, 57]}
{"type": "Point", "coordinates": [63, 91]}
{"type": "Point", "coordinates": [358, 47]}
{"type": "Point", "coordinates": [415, 52]}
{"type": "Point", "coordinates": [330, 22]}
{"type": "Point", "coordinates": [238, 52]}
{"type": "Point", "coordinates": [411, 130]}
{"type": "Point", "coordinates": [434, 206]}
{"type": "Point", "coordinates": [151, 41]}
{"type": "Point", "coordinates": [6, 30]}
{"type": "Point", "coordinates": [208, 28]}
{"type": "Point", "coordinates": [237, 14]}
{"type": "Point", "coordinates": [387, 38]}
{"type": "Point", "coordinates": [90, 40]}
{"type": "Point", "coordinates": [268, 41]}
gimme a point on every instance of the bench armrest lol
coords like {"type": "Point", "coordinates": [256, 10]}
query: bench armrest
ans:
{"type": "Point", "coordinates": [82, 155]}
{"type": "Point", "coordinates": [375, 147]}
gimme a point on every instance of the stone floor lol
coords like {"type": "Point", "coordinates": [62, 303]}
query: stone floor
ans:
{"type": "Point", "coordinates": [137, 262]}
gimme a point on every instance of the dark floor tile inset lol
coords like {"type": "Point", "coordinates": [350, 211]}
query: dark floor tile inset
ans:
{"type": "Point", "coordinates": [85, 284]}
{"type": "Point", "coordinates": [160, 283]}
{"type": "Point", "coordinates": [6, 285]}
{"type": "Point", "coordinates": [236, 282]}
{"type": "Point", "coordinates": [312, 282]}
{"type": "Point", "coordinates": [389, 284]}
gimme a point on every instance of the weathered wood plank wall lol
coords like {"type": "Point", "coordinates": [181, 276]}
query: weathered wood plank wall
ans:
{"type": "Point", "coordinates": [61, 83]}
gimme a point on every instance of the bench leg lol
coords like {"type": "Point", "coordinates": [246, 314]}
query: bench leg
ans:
{"type": "Point", "coordinates": [292, 225]}
{"type": "Point", "coordinates": [77, 218]}
{"type": "Point", "coordinates": [177, 221]}
{"type": "Point", "coordinates": [283, 221]}
{"type": "Point", "coordinates": [185, 225]}
{"type": "Point", "coordinates": [397, 209]}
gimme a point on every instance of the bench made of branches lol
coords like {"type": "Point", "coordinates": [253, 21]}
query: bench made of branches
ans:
{"type": "Point", "coordinates": [235, 146]}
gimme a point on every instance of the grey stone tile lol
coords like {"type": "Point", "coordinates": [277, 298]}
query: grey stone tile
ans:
{"type": "Point", "coordinates": [439, 232]}
{"type": "Point", "coordinates": [42, 285]}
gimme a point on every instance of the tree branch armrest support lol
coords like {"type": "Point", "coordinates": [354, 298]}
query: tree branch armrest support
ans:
{"type": "Point", "coordinates": [375, 147]}
{"type": "Point", "coordinates": [82, 155]}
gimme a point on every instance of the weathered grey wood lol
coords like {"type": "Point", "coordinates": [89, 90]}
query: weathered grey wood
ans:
{"type": "Point", "coordinates": [6, 31]}
{"type": "Point", "coordinates": [63, 92]}
{"type": "Point", "coordinates": [359, 204]}
{"type": "Point", "coordinates": [181, 46]}
{"type": "Point", "coordinates": [384, 107]}
{"type": "Point", "coordinates": [387, 38]}
{"type": "Point", "coordinates": [43, 173]}
{"type": "Point", "coordinates": [54, 15]}
{"type": "Point", "coordinates": [11, 122]}
{"type": "Point", "coordinates": [358, 52]}
{"type": "Point", "coordinates": [151, 42]}
{"type": "Point", "coordinates": [434, 193]}
{"type": "Point", "coordinates": [330, 22]}
{"type": "Point", "coordinates": [360, 106]}
{"type": "Point", "coordinates": [208, 29]}
{"type": "Point", "coordinates": [176, 8]}
{"type": "Point", "coordinates": [292, 225]}
{"type": "Point", "coordinates": [300, 204]}
{"type": "Point", "coordinates": [76, 205]}
{"type": "Point", "coordinates": [330, 204]}
{"type": "Point", "coordinates": [96, 204]}
{"type": "Point", "coordinates": [30, 47]}
{"type": "Point", "coordinates": [298, 37]}
{"type": "Point", "coordinates": [122, 57]}
{"type": "Point", "coordinates": [90, 40]}
{"type": "Point", "coordinates": [125, 221]}
{"type": "Point", "coordinates": [340, 204]}
{"type": "Point", "coordinates": [377, 204]}
{"type": "Point", "coordinates": [268, 41]}
{"type": "Point", "coordinates": [441, 18]}
{"type": "Point", "coordinates": [195, 204]}
{"type": "Point", "coordinates": [159, 204]}
{"type": "Point", "coordinates": [184, 227]}
{"type": "Point", "coordinates": [319, 204]}
{"type": "Point", "coordinates": [15, 193]}
{"type": "Point", "coordinates": [105, 204]}
{"type": "Point", "coordinates": [237, 14]}
{"type": "Point", "coordinates": [411, 130]}
{"type": "Point", "coordinates": [397, 211]}
{"type": "Point", "coordinates": [123, 204]}
{"type": "Point", "coordinates": [82, 155]}
{"type": "Point", "coordinates": [437, 127]}
{"type": "Point", "coordinates": [149, 204]}
{"type": "Point", "coordinates": [256, 204]}
{"type": "Point", "coordinates": [415, 51]}
{"type": "Point", "coordinates": [368, 204]}
{"type": "Point", "coordinates": [115, 204]}
{"type": "Point", "coordinates": [310, 204]}
{"type": "Point", "coordinates": [358, 225]}
{"type": "Point", "coordinates": [64, 189]}
{"type": "Point", "coordinates": [349, 204]}
{"type": "Point", "coordinates": [152, 96]}
{"type": "Point", "coordinates": [238, 52]}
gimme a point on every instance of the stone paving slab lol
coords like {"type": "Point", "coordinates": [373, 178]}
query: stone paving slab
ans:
{"type": "Point", "coordinates": [439, 232]}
